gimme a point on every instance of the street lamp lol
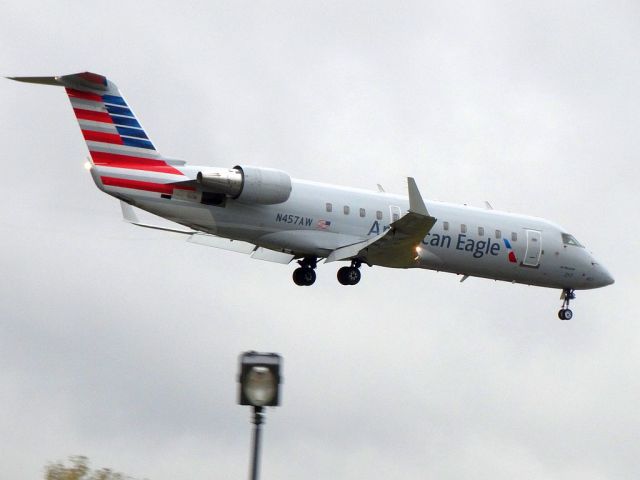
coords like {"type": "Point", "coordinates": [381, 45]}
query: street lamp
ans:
{"type": "Point", "coordinates": [259, 386]}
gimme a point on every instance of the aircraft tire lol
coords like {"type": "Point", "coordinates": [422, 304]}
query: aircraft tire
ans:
{"type": "Point", "coordinates": [343, 275]}
{"type": "Point", "coordinates": [349, 275]}
{"type": "Point", "coordinates": [304, 276]}
{"type": "Point", "coordinates": [565, 314]}
{"type": "Point", "coordinates": [353, 275]}
{"type": "Point", "coordinates": [297, 277]}
{"type": "Point", "coordinates": [308, 276]}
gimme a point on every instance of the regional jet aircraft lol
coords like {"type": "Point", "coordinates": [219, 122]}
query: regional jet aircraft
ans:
{"type": "Point", "coordinates": [267, 214]}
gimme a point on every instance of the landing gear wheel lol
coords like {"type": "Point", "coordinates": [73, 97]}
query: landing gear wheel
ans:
{"type": "Point", "coordinates": [565, 313]}
{"type": "Point", "coordinates": [342, 275]}
{"type": "Point", "coordinates": [297, 276]}
{"type": "Point", "coordinates": [304, 277]}
{"type": "Point", "coordinates": [349, 275]}
{"type": "Point", "coordinates": [353, 275]}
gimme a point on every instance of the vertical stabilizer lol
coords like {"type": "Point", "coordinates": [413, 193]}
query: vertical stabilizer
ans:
{"type": "Point", "coordinates": [111, 130]}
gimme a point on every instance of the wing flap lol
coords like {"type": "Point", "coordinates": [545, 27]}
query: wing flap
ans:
{"type": "Point", "coordinates": [129, 215]}
{"type": "Point", "coordinates": [222, 243]}
{"type": "Point", "coordinates": [208, 240]}
{"type": "Point", "coordinates": [272, 256]}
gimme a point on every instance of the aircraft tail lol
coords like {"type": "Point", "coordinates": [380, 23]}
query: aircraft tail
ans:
{"type": "Point", "coordinates": [111, 130]}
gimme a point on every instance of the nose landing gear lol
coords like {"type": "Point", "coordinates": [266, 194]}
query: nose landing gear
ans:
{"type": "Point", "coordinates": [305, 275]}
{"type": "Point", "coordinates": [565, 313]}
{"type": "Point", "coordinates": [350, 275]}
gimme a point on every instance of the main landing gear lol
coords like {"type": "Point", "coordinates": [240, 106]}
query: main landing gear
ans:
{"type": "Point", "coordinates": [305, 275]}
{"type": "Point", "coordinates": [350, 275]}
{"type": "Point", "coordinates": [565, 313]}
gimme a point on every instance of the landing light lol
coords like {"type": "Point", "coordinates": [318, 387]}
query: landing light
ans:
{"type": "Point", "coordinates": [87, 165]}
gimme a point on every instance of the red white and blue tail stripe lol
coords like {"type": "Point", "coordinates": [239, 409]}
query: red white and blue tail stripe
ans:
{"type": "Point", "coordinates": [121, 149]}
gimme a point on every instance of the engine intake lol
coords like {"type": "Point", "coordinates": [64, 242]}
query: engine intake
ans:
{"type": "Point", "coordinates": [246, 184]}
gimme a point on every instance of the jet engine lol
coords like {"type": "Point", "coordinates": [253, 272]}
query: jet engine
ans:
{"type": "Point", "coordinates": [266, 186]}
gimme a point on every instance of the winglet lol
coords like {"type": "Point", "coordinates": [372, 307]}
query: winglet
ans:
{"type": "Point", "coordinates": [416, 204]}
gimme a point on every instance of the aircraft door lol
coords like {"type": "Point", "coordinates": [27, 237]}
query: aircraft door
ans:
{"type": "Point", "coordinates": [394, 213]}
{"type": "Point", "coordinates": [534, 248]}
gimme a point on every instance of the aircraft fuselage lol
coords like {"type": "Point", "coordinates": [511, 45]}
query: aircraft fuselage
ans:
{"type": "Point", "coordinates": [464, 240]}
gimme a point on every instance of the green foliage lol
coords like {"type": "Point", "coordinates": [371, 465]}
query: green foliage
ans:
{"type": "Point", "coordinates": [79, 470]}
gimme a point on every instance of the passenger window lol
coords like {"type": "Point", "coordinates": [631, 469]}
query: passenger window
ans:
{"type": "Point", "coordinates": [362, 212]}
{"type": "Point", "coordinates": [514, 237]}
{"type": "Point", "coordinates": [481, 231]}
{"type": "Point", "coordinates": [379, 215]}
{"type": "Point", "coordinates": [396, 217]}
{"type": "Point", "coordinates": [463, 228]}
{"type": "Point", "coordinates": [329, 207]}
{"type": "Point", "coordinates": [445, 225]}
{"type": "Point", "coordinates": [346, 209]}
{"type": "Point", "coordinates": [498, 234]}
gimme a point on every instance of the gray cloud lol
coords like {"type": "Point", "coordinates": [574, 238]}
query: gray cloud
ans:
{"type": "Point", "coordinates": [121, 344]}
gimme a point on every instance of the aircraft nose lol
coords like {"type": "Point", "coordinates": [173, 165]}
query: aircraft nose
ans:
{"type": "Point", "coordinates": [602, 276]}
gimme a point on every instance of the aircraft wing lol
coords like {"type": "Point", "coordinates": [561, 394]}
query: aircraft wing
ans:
{"type": "Point", "coordinates": [395, 247]}
{"type": "Point", "coordinates": [199, 238]}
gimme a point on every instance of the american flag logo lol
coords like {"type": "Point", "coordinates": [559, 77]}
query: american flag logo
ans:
{"type": "Point", "coordinates": [324, 224]}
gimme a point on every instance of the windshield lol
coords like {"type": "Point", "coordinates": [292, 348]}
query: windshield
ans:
{"type": "Point", "coordinates": [570, 240]}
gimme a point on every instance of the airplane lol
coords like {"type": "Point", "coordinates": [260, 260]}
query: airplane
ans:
{"type": "Point", "coordinates": [271, 216]}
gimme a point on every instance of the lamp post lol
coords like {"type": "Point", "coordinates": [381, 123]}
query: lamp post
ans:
{"type": "Point", "coordinates": [259, 386]}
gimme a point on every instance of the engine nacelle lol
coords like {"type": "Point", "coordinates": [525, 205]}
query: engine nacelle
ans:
{"type": "Point", "coordinates": [265, 186]}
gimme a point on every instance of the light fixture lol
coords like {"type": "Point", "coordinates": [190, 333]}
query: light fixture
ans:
{"type": "Point", "coordinates": [259, 386]}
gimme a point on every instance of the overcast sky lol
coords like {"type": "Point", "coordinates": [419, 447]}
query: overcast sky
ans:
{"type": "Point", "coordinates": [121, 343]}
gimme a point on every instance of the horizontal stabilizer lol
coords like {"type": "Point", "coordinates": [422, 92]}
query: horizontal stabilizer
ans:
{"type": "Point", "coordinates": [41, 80]}
{"type": "Point", "coordinates": [85, 81]}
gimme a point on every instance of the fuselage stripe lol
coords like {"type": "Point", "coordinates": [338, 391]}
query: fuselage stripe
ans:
{"type": "Point", "coordinates": [137, 185]}
{"type": "Point", "coordinates": [133, 163]}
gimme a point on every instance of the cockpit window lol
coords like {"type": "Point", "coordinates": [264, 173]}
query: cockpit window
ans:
{"type": "Point", "coordinates": [570, 240]}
